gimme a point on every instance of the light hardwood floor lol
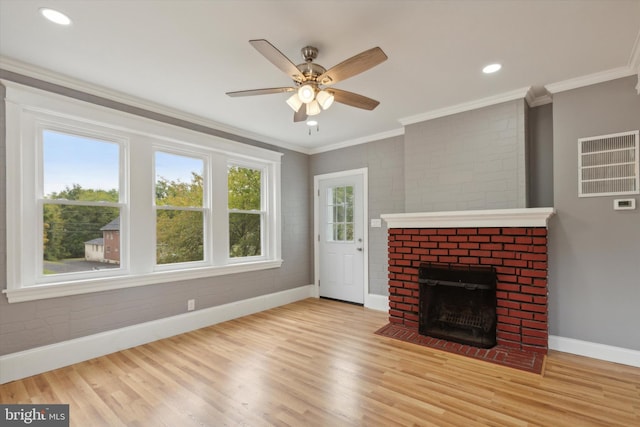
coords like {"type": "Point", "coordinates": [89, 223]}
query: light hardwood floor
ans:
{"type": "Point", "coordinates": [319, 363]}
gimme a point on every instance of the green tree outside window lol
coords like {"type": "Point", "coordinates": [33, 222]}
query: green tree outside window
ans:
{"type": "Point", "coordinates": [245, 215]}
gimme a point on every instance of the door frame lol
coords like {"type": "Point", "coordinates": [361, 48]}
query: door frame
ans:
{"type": "Point", "coordinates": [364, 172]}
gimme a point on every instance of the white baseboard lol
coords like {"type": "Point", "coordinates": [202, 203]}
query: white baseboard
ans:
{"type": "Point", "coordinates": [594, 350]}
{"type": "Point", "coordinates": [41, 359]}
{"type": "Point", "coordinates": [376, 302]}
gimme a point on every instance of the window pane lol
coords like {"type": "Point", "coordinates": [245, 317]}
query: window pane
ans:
{"type": "Point", "coordinates": [80, 238]}
{"type": "Point", "coordinates": [349, 236]}
{"type": "Point", "coordinates": [179, 180]}
{"type": "Point", "coordinates": [350, 213]}
{"type": "Point", "coordinates": [338, 197]}
{"type": "Point", "coordinates": [340, 220]}
{"type": "Point", "coordinates": [74, 163]}
{"type": "Point", "coordinates": [245, 188]}
{"type": "Point", "coordinates": [339, 232]}
{"type": "Point", "coordinates": [179, 236]}
{"type": "Point", "coordinates": [244, 235]}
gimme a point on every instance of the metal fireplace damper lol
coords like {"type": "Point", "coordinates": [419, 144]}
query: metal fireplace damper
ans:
{"type": "Point", "coordinates": [458, 303]}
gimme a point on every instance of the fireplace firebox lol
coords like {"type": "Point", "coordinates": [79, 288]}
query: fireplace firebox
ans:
{"type": "Point", "coordinates": [458, 303]}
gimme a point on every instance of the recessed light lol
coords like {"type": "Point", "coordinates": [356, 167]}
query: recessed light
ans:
{"type": "Point", "coordinates": [55, 16]}
{"type": "Point", "coordinates": [312, 123]}
{"type": "Point", "coordinates": [491, 68]}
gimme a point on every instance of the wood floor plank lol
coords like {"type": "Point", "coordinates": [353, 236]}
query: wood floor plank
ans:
{"type": "Point", "coordinates": [319, 363]}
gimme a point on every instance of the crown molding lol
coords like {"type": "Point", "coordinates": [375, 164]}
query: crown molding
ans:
{"type": "Point", "coordinates": [590, 79]}
{"type": "Point", "coordinates": [358, 141]}
{"type": "Point", "coordinates": [538, 100]}
{"type": "Point", "coordinates": [467, 106]}
{"type": "Point", "coordinates": [48, 76]}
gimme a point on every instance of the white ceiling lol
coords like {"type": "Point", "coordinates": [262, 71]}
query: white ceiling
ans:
{"type": "Point", "coordinates": [185, 54]}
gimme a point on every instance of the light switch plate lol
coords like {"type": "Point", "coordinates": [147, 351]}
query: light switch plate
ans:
{"type": "Point", "coordinates": [376, 223]}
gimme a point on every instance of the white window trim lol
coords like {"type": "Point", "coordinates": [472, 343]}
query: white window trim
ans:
{"type": "Point", "coordinates": [145, 134]}
{"type": "Point", "coordinates": [265, 206]}
{"type": "Point", "coordinates": [205, 209]}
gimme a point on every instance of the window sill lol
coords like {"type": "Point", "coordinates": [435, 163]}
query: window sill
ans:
{"type": "Point", "coordinates": [62, 289]}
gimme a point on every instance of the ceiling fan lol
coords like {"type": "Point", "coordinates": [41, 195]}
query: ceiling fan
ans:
{"type": "Point", "coordinates": [311, 96]}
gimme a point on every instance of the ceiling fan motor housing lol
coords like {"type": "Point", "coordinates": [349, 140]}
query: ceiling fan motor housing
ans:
{"type": "Point", "coordinates": [309, 53]}
{"type": "Point", "coordinates": [310, 71]}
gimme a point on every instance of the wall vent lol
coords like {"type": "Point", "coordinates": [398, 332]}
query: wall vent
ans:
{"type": "Point", "coordinates": [608, 165]}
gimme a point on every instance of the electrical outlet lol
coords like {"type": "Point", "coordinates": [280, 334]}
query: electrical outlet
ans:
{"type": "Point", "coordinates": [191, 305]}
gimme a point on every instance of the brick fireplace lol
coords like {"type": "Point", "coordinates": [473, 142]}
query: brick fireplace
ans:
{"type": "Point", "coordinates": [513, 241]}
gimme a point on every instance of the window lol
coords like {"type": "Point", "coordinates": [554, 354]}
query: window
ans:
{"type": "Point", "coordinates": [99, 199]}
{"type": "Point", "coordinates": [179, 190]}
{"type": "Point", "coordinates": [80, 187]}
{"type": "Point", "coordinates": [340, 214]}
{"type": "Point", "coordinates": [246, 212]}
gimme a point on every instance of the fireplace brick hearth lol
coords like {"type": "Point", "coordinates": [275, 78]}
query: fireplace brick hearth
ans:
{"type": "Point", "coordinates": [512, 241]}
{"type": "Point", "coordinates": [519, 255]}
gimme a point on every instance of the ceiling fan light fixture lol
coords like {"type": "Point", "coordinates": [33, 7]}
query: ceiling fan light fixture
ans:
{"type": "Point", "coordinates": [306, 93]}
{"type": "Point", "coordinates": [313, 108]}
{"type": "Point", "coordinates": [325, 99]}
{"type": "Point", "coordinates": [294, 102]}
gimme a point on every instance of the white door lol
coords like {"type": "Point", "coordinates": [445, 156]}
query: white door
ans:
{"type": "Point", "coordinates": [341, 237]}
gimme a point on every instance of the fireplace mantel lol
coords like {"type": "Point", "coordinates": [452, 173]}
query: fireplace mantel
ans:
{"type": "Point", "coordinates": [526, 217]}
{"type": "Point", "coordinates": [511, 241]}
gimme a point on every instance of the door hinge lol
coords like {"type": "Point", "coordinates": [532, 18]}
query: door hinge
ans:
{"type": "Point", "coordinates": [318, 237]}
{"type": "Point", "coordinates": [318, 192]}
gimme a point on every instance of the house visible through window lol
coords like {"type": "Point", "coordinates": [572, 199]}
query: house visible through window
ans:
{"type": "Point", "coordinates": [81, 196]}
{"type": "Point", "coordinates": [99, 200]}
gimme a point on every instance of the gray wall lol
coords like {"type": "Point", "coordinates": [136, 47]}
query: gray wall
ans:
{"type": "Point", "coordinates": [471, 160]}
{"type": "Point", "coordinates": [36, 323]}
{"type": "Point", "coordinates": [594, 251]}
{"type": "Point", "coordinates": [594, 264]}
{"type": "Point", "coordinates": [540, 156]}
{"type": "Point", "coordinates": [385, 162]}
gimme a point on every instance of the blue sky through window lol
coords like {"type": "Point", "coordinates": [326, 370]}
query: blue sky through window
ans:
{"type": "Point", "coordinates": [94, 164]}
{"type": "Point", "coordinates": [72, 159]}
{"type": "Point", "coordinates": [173, 167]}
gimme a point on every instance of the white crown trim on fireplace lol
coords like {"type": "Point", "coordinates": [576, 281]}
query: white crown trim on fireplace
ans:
{"type": "Point", "coordinates": [524, 217]}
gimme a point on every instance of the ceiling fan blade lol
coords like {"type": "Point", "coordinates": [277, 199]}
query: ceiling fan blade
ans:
{"type": "Point", "coordinates": [277, 58]}
{"type": "Point", "coordinates": [300, 115]}
{"type": "Point", "coordinates": [352, 66]}
{"type": "Point", "coordinates": [354, 100]}
{"type": "Point", "coordinates": [267, 91]}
